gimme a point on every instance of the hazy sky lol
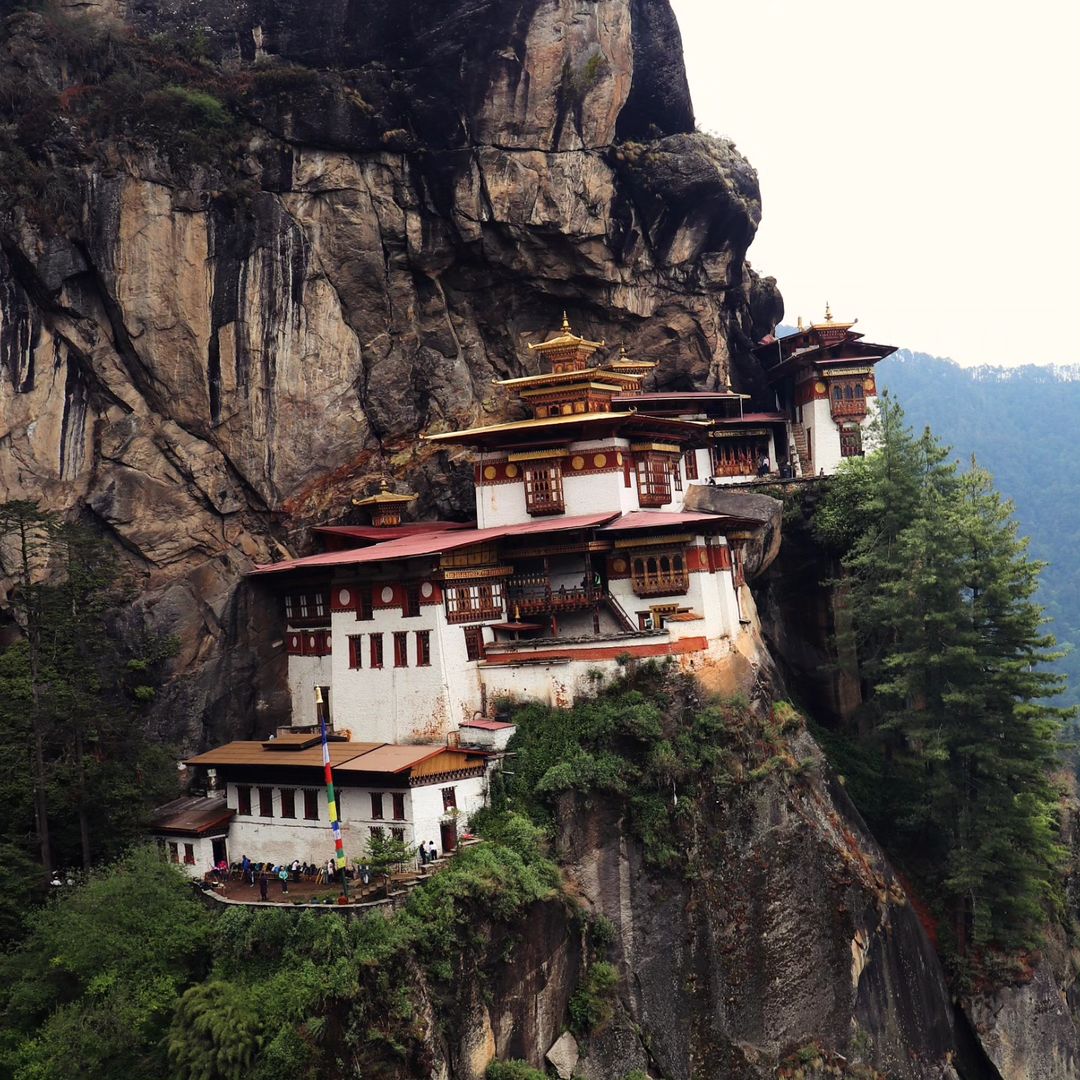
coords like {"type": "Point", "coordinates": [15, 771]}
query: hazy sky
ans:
{"type": "Point", "coordinates": [919, 162]}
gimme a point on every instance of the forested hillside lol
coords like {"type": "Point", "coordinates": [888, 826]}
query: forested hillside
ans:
{"type": "Point", "coordinates": [1021, 424]}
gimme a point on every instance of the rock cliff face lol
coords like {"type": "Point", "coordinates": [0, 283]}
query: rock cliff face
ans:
{"type": "Point", "coordinates": [207, 343]}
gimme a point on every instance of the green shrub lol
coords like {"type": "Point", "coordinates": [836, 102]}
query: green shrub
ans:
{"type": "Point", "coordinates": [513, 1070]}
{"type": "Point", "coordinates": [591, 1006]}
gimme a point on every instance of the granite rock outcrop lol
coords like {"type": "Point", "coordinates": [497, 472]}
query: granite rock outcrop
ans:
{"type": "Point", "coordinates": [208, 344]}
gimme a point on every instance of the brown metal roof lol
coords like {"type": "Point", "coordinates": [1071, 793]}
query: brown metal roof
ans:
{"type": "Point", "coordinates": [393, 758]}
{"type": "Point", "coordinates": [255, 753]}
{"type": "Point", "coordinates": [192, 816]}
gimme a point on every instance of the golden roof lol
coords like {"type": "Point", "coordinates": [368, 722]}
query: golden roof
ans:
{"type": "Point", "coordinates": [384, 496]}
{"type": "Point", "coordinates": [553, 378]}
{"type": "Point", "coordinates": [565, 339]}
{"type": "Point", "coordinates": [624, 361]}
{"type": "Point", "coordinates": [538, 423]}
{"type": "Point", "coordinates": [830, 324]}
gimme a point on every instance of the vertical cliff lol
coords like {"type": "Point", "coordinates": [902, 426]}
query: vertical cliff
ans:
{"type": "Point", "coordinates": [249, 251]}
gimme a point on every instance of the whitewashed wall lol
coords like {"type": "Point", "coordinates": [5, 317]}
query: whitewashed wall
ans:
{"type": "Point", "coordinates": [305, 673]}
{"type": "Point", "coordinates": [204, 853]}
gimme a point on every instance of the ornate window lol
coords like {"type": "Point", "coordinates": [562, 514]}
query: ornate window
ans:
{"type": "Point", "coordinates": [654, 479]}
{"type": "Point", "coordinates": [850, 440]}
{"type": "Point", "coordinates": [659, 573]}
{"type": "Point", "coordinates": [690, 464]}
{"type": "Point", "coordinates": [474, 642]}
{"type": "Point", "coordinates": [473, 602]}
{"type": "Point", "coordinates": [544, 487]}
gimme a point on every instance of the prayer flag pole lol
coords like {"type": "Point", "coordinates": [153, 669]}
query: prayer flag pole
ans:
{"type": "Point", "coordinates": [331, 800]}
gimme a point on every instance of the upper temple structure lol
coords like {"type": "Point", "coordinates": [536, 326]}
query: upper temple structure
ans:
{"type": "Point", "coordinates": [582, 553]}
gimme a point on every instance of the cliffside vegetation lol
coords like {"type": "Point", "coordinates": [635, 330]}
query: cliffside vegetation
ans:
{"type": "Point", "coordinates": [129, 975]}
{"type": "Point", "coordinates": [957, 741]}
{"type": "Point", "coordinates": [78, 769]}
{"type": "Point", "coordinates": [1020, 425]}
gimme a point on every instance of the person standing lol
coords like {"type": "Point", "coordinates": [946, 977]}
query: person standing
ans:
{"type": "Point", "coordinates": [763, 465]}
{"type": "Point", "coordinates": [283, 877]}
{"type": "Point", "coordinates": [422, 852]}
{"type": "Point", "coordinates": [432, 853]}
{"type": "Point", "coordinates": [245, 869]}
{"type": "Point", "coordinates": [264, 886]}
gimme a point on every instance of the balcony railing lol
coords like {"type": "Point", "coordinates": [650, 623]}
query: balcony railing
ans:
{"type": "Point", "coordinates": [531, 594]}
{"type": "Point", "coordinates": [854, 407]}
{"type": "Point", "coordinates": [672, 583]}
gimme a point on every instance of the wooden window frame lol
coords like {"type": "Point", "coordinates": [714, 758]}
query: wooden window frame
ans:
{"type": "Point", "coordinates": [376, 651]}
{"type": "Point", "coordinates": [474, 600]}
{"type": "Point", "coordinates": [423, 648]}
{"type": "Point", "coordinates": [401, 648]}
{"type": "Point", "coordinates": [474, 642]}
{"type": "Point", "coordinates": [266, 801]}
{"type": "Point", "coordinates": [243, 799]}
{"type": "Point", "coordinates": [397, 798]}
{"type": "Point", "coordinates": [365, 609]}
{"type": "Point", "coordinates": [851, 443]}
{"type": "Point", "coordinates": [356, 652]}
{"type": "Point", "coordinates": [398, 834]}
{"type": "Point", "coordinates": [311, 804]}
{"type": "Point", "coordinates": [449, 798]}
{"type": "Point", "coordinates": [653, 478]}
{"type": "Point", "coordinates": [288, 802]}
{"type": "Point", "coordinates": [174, 851]}
{"type": "Point", "coordinates": [690, 464]}
{"type": "Point", "coordinates": [410, 609]}
{"type": "Point", "coordinates": [189, 854]}
{"type": "Point", "coordinates": [543, 481]}
{"type": "Point", "coordinates": [376, 805]}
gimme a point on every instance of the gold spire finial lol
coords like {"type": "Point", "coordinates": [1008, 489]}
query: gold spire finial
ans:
{"type": "Point", "coordinates": [828, 312]}
{"type": "Point", "coordinates": [384, 484]}
{"type": "Point", "coordinates": [800, 323]}
{"type": "Point", "coordinates": [622, 352]}
{"type": "Point", "coordinates": [565, 323]}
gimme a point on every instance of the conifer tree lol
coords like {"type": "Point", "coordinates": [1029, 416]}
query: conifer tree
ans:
{"type": "Point", "coordinates": [940, 594]}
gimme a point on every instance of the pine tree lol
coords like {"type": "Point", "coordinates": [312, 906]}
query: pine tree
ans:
{"type": "Point", "coordinates": [939, 593]}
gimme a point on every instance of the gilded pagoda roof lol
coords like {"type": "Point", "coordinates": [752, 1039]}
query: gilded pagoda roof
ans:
{"type": "Point", "coordinates": [629, 364]}
{"type": "Point", "coordinates": [382, 497]}
{"type": "Point", "coordinates": [554, 378]}
{"type": "Point", "coordinates": [562, 426]}
{"type": "Point", "coordinates": [566, 339]}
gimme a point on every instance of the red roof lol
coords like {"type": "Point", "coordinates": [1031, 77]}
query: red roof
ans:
{"type": "Point", "coordinates": [487, 725]}
{"type": "Point", "coordinates": [418, 545]}
{"type": "Point", "coordinates": [388, 532]}
{"type": "Point", "coordinates": [754, 418]}
{"type": "Point", "coordinates": [657, 519]}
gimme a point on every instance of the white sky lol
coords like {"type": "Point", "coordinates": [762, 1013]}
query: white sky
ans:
{"type": "Point", "coordinates": [919, 162]}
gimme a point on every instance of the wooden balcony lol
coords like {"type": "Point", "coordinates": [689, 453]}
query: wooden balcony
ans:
{"type": "Point", "coordinates": [855, 407]}
{"type": "Point", "coordinates": [532, 594]}
{"type": "Point", "coordinates": [672, 583]}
